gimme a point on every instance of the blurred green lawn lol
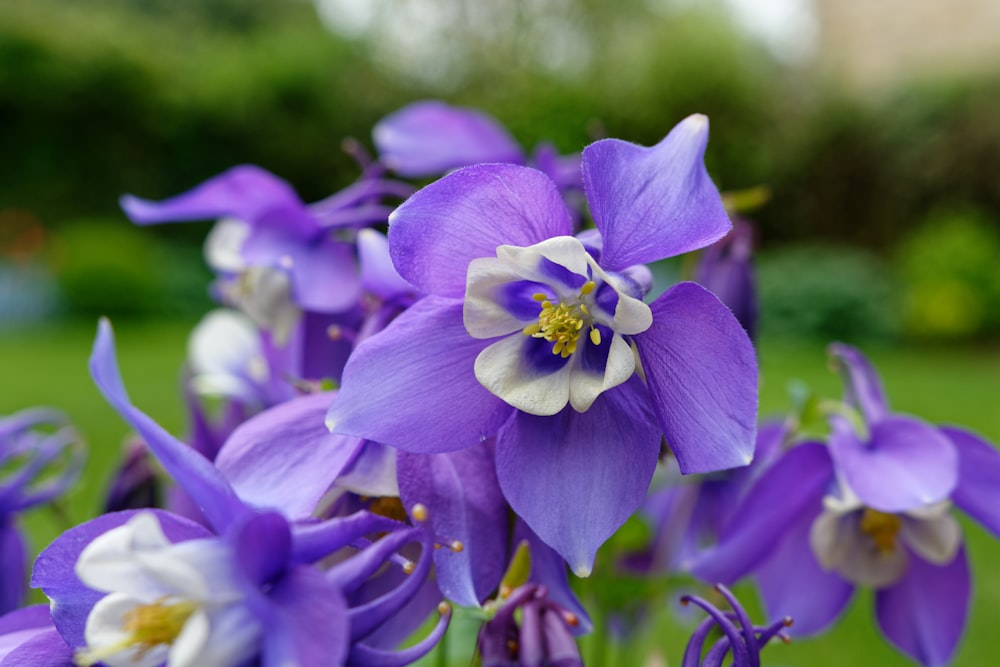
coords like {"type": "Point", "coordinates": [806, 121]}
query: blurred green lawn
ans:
{"type": "Point", "coordinates": [48, 366]}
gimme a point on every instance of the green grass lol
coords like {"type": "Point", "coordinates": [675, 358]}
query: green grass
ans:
{"type": "Point", "coordinates": [947, 385]}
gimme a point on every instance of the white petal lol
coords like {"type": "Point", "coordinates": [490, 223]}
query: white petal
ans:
{"type": "Point", "coordinates": [104, 629]}
{"type": "Point", "coordinates": [234, 637]}
{"type": "Point", "coordinates": [483, 313]}
{"type": "Point", "coordinates": [565, 251]}
{"type": "Point", "coordinates": [224, 245]}
{"type": "Point", "coordinates": [839, 545]}
{"type": "Point", "coordinates": [936, 540]}
{"type": "Point", "coordinates": [224, 341]}
{"type": "Point", "coordinates": [585, 387]}
{"type": "Point", "coordinates": [828, 537]}
{"type": "Point", "coordinates": [187, 650]}
{"type": "Point", "coordinates": [504, 371]}
{"type": "Point", "coordinates": [109, 562]}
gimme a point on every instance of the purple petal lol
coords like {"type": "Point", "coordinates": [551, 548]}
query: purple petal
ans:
{"type": "Point", "coordinates": [575, 478]}
{"type": "Point", "coordinates": [367, 656]}
{"type": "Point", "coordinates": [702, 375]}
{"type": "Point", "coordinates": [725, 269]}
{"type": "Point", "coordinates": [307, 622]}
{"type": "Point", "coordinates": [413, 385]}
{"type": "Point", "coordinates": [464, 503]}
{"type": "Point", "coordinates": [34, 617]}
{"type": "Point", "coordinates": [285, 458]}
{"type": "Point", "coordinates": [323, 271]}
{"type": "Point", "coordinates": [978, 477]}
{"type": "Point", "coordinates": [905, 464]}
{"type": "Point", "coordinates": [263, 547]}
{"type": "Point", "coordinates": [790, 487]}
{"type": "Point", "coordinates": [924, 613]}
{"type": "Point", "coordinates": [43, 649]}
{"type": "Point", "coordinates": [792, 582]}
{"type": "Point", "coordinates": [862, 386]}
{"type": "Point", "coordinates": [311, 542]}
{"type": "Point", "coordinates": [378, 275]}
{"type": "Point", "coordinates": [436, 233]}
{"type": "Point", "coordinates": [652, 203]}
{"type": "Point", "coordinates": [54, 574]}
{"type": "Point", "coordinates": [429, 138]}
{"type": "Point", "coordinates": [246, 192]}
{"type": "Point", "coordinates": [200, 479]}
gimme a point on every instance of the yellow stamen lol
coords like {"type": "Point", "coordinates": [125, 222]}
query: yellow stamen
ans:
{"type": "Point", "coordinates": [588, 287]}
{"type": "Point", "coordinates": [882, 528]}
{"type": "Point", "coordinates": [595, 336]}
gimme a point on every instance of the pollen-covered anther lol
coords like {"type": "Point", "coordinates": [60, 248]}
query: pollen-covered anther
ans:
{"type": "Point", "coordinates": [409, 567]}
{"type": "Point", "coordinates": [882, 528]}
{"type": "Point", "coordinates": [561, 322]}
{"type": "Point", "coordinates": [419, 512]}
{"type": "Point", "coordinates": [444, 608]}
{"type": "Point", "coordinates": [571, 619]}
{"type": "Point", "coordinates": [457, 546]}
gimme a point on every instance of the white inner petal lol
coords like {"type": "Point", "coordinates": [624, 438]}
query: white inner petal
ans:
{"type": "Point", "coordinates": [501, 369]}
{"type": "Point", "coordinates": [483, 315]}
{"type": "Point", "coordinates": [585, 387]}
{"type": "Point", "coordinates": [936, 540]}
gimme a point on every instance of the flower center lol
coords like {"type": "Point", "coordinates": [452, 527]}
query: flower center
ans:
{"type": "Point", "coordinates": [882, 528]}
{"type": "Point", "coordinates": [147, 626]}
{"type": "Point", "coordinates": [561, 322]}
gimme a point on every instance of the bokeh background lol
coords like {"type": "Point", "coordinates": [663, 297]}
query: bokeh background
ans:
{"type": "Point", "coordinates": [873, 124]}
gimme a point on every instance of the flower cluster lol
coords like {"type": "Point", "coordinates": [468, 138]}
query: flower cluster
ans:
{"type": "Point", "coordinates": [419, 403]}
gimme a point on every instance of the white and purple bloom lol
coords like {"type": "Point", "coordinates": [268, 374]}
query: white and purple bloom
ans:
{"type": "Point", "coordinates": [810, 537]}
{"type": "Point", "coordinates": [542, 339]}
{"type": "Point", "coordinates": [272, 593]}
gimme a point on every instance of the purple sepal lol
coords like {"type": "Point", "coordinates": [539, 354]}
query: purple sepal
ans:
{"type": "Point", "coordinates": [306, 621]}
{"type": "Point", "coordinates": [725, 269]}
{"type": "Point", "coordinates": [246, 192]}
{"type": "Point", "coordinates": [464, 503]}
{"type": "Point", "coordinates": [906, 463]}
{"type": "Point", "coordinates": [285, 458]}
{"type": "Point", "coordinates": [791, 486]}
{"type": "Point", "coordinates": [200, 479]}
{"type": "Point", "coordinates": [599, 485]}
{"type": "Point", "coordinates": [862, 386]}
{"type": "Point", "coordinates": [435, 233]}
{"type": "Point", "coordinates": [413, 387]}
{"type": "Point", "coordinates": [42, 649]}
{"type": "Point", "coordinates": [263, 546]}
{"type": "Point", "coordinates": [13, 565]}
{"type": "Point", "coordinates": [924, 613]}
{"type": "Point", "coordinates": [54, 574]}
{"type": "Point", "coordinates": [792, 582]}
{"type": "Point", "coordinates": [35, 617]}
{"type": "Point", "coordinates": [428, 138]}
{"type": "Point", "coordinates": [978, 477]}
{"type": "Point", "coordinates": [702, 374]}
{"type": "Point", "coordinates": [652, 203]}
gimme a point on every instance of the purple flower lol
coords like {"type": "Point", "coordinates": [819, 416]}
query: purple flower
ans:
{"type": "Point", "coordinates": [289, 606]}
{"type": "Point", "coordinates": [811, 538]}
{"type": "Point", "coordinates": [430, 138]}
{"type": "Point", "coordinates": [543, 340]}
{"type": "Point", "coordinates": [739, 635]}
{"type": "Point", "coordinates": [542, 637]}
{"type": "Point", "coordinates": [135, 485]}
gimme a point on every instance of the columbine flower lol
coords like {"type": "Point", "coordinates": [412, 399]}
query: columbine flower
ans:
{"type": "Point", "coordinates": [543, 339]}
{"type": "Point", "coordinates": [810, 537]}
{"type": "Point", "coordinates": [181, 604]}
{"type": "Point", "coordinates": [279, 572]}
{"type": "Point", "coordinates": [725, 269]}
{"type": "Point", "coordinates": [739, 635]}
{"type": "Point", "coordinates": [429, 138]}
